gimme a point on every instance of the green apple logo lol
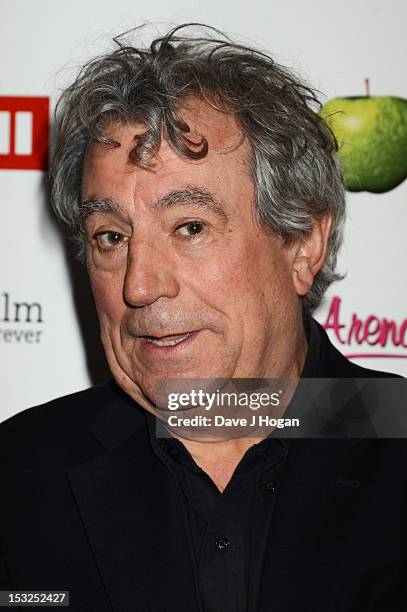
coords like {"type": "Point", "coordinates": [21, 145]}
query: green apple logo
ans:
{"type": "Point", "coordinates": [372, 138]}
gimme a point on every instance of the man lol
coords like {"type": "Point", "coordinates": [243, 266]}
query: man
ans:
{"type": "Point", "coordinates": [203, 190]}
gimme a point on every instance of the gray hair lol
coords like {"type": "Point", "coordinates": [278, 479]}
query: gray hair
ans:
{"type": "Point", "coordinates": [293, 162]}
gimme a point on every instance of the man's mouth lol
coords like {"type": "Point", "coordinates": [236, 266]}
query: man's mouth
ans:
{"type": "Point", "coordinates": [169, 340]}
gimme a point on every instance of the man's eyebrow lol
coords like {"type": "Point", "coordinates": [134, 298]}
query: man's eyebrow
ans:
{"type": "Point", "coordinates": [186, 196]}
{"type": "Point", "coordinates": [93, 205]}
{"type": "Point", "coordinates": [191, 195]}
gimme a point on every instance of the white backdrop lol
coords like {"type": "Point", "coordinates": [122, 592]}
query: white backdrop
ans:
{"type": "Point", "coordinates": [47, 350]}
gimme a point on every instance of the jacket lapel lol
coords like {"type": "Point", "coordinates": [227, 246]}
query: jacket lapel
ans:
{"type": "Point", "coordinates": [125, 498]}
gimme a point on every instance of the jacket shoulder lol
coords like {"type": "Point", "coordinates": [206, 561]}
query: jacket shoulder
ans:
{"type": "Point", "coordinates": [54, 423]}
{"type": "Point", "coordinates": [336, 365]}
{"type": "Point", "coordinates": [89, 399]}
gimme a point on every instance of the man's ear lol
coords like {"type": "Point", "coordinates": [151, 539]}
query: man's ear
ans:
{"type": "Point", "coordinates": [309, 255]}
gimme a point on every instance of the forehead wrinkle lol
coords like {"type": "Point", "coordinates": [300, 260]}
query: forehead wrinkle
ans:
{"type": "Point", "coordinates": [191, 195]}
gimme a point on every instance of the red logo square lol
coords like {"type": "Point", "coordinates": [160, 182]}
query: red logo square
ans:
{"type": "Point", "coordinates": [24, 133]}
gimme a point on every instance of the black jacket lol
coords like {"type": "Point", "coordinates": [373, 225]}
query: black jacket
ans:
{"type": "Point", "coordinates": [86, 504]}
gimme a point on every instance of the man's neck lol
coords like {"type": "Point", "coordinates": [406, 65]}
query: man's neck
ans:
{"type": "Point", "coordinates": [219, 458]}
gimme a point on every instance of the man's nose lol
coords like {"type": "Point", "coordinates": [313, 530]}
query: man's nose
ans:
{"type": "Point", "coordinates": [150, 275]}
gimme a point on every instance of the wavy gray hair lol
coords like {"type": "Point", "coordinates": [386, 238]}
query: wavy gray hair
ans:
{"type": "Point", "coordinates": [293, 152]}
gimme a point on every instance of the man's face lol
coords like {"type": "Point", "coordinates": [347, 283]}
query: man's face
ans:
{"type": "Point", "coordinates": [175, 254]}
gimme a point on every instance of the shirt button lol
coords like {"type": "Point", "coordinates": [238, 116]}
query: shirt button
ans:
{"type": "Point", "coordinates": [222, 543]}
{"type": "Point", "coordinates": [271, 486]}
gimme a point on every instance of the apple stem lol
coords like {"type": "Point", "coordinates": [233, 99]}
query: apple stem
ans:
{"type": "Point", "coordinates": [367, 88]}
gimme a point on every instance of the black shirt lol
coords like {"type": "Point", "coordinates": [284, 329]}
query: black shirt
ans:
{"type": "Point", "coordinates": [228, 531]}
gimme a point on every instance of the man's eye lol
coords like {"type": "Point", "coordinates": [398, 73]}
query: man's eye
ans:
{"type": "Point", "coordinates": [109, 240]}
{"type": "Point", "coordinates": [192, 228]}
